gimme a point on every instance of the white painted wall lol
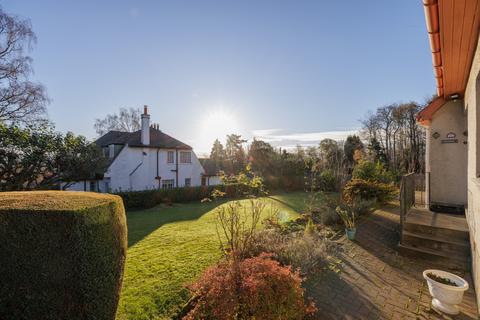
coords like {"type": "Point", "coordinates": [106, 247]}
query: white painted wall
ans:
{"type": "Point", "coordinates": [472, 105]}
{"type": "Point", "coordinates": [123, 178]}
{"type": "Point", "coordinates": [213, 181]}
{"type": "Point", "coordinates": [447, 162]}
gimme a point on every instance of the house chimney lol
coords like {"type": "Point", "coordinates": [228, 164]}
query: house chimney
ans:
{"type": "Point", "coordinates": [145, 139]}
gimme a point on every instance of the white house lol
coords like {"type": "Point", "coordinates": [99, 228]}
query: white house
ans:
{"type": "Point", "coordinates": [142, 160]}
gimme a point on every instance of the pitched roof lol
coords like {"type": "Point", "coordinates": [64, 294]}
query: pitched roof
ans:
{"type": "Point", "coordinates": [158, 139]}
{"type": "Point", "coordinates": [210, 166]}
{"type": "Point", "coordinates": [426, 114]}
{"type": "Point", "coordinates": [113, 137]}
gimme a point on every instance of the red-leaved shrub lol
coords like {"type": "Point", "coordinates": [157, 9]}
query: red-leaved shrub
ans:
{"type": "Point", "coordinates": [254, 288]}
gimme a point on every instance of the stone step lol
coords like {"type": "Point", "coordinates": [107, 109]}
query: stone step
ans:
{"type": "Point", "coordinates": [435, 255]}
{"type": "Point", "coordinates": [443, 234]}
{"type": "Point", "coordinates": [437, 242]}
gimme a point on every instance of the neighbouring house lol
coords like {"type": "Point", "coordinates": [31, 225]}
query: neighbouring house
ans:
{"type": "Point", "coordinates": [212, 175]}
{"type": "Point", "coordinates": [142, 160]}
{"type": "Point", "coordinates": [449, 225]}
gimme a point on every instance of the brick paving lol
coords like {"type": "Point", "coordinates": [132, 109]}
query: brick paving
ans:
{"type": "Point", "coordinates": [374, 281]}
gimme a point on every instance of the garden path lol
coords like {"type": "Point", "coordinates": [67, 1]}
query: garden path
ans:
{"type": "Point", "coordinates": [374, 281]}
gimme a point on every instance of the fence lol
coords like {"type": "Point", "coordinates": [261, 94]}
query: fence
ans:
{"type": "Point", "coordinates": [412, 193]}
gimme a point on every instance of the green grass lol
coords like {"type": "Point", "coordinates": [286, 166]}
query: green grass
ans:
{"type": "Point", "coordinates": [171, 246]}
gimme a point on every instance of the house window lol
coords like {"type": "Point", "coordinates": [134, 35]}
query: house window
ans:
{"type": "Point", "coordinates": [188, 182]}
{"type": "Point", "coordinates": [185, 157]}
{"type": "Point", "coordinates": [170, 156]}
{"type": "Point", "coordinates": [106, 152]}
{"type": "Point", "coordinates": [167, 184]}
{"type": "Point", "coordinates": [93, 186]}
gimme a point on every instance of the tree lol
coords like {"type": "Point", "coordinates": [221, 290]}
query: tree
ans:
{"type": "Point", "coordinates": [127, 120]}
{"type": "Point", "coordinates": [351, 145]}
{"type": "Point", "coordinates": [21, 100]}
{"type": "Point", "coordinates": [395, 138]}
{"type": "Point", "coordinates": [37, 157]}
{"type": "Point", "coordinates": [235, 152]}
{"type": "Point", "coordinates": [262, 156]}
{"type": "Point", "coordinates": [218, 152]}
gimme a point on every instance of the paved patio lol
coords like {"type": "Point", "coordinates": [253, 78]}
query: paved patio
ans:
{"type": "Point", "coordinates": [374, 281]}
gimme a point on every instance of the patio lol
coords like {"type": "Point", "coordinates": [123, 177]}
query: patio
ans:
{"type": "Point", "coordinates": [375, 281]}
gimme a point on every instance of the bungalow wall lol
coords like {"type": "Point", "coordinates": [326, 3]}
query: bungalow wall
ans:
{"type": "Point", "coordinates": [472, 106]}
{"type": "Point", "coordinates": [448, 160]}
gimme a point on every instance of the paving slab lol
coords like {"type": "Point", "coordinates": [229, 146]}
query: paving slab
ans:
{"type": "Point", "coordinates": [375, 281]}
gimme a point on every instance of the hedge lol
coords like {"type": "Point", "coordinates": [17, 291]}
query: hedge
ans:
{"type": "Point", "coordinates": [150, 198]}
{"type": "Point", "coordinates": [62, 255]}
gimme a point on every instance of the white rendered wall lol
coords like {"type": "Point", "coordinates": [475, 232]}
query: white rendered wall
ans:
{"type": "Point", "coordinates": [122, 178]}
{"type": "Point", "coordinates": [472, 104]}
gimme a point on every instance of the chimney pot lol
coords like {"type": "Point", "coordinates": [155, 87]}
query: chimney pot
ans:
{"type": "Point", "coordinates": [145, 109]}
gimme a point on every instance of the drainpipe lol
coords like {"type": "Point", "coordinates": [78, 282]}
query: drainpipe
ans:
{"type": "Point", "coordinates": [158, 176]}
{"type": "Point", "coordinates": [428, 134]}
{"type": "Point", "coordinates": [176, 167]}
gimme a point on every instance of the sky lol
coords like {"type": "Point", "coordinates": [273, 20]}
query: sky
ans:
{"type": "Point", "coordinates": [288, 72]}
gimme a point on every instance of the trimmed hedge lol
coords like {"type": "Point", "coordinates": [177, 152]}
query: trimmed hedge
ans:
{"type": "Point", "coordinates": [150, 198]}
{"type": "Point", "coordinates": [62, 255]}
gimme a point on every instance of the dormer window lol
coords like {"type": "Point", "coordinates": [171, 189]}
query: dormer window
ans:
{"type": "Point", "coordinates": [106, 152]}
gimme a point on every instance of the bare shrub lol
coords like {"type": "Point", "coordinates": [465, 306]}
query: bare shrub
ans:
{"type": "Point", "coordinates": [303, 251]}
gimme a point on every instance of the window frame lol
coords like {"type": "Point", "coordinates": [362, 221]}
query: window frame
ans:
{"type": "Point", "coordinates": [189, 184]}
{"type": "Point", "coordinates": [170, 154]}
{"type": "Point", "coordinates": [184, 154]}
{"type": "Point", "coordinates": [168, 183]}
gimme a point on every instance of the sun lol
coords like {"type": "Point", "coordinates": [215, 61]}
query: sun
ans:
{"type": "Point", "coordinates": [217, 124]}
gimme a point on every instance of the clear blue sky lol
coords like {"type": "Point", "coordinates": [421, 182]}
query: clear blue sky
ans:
{"type": "Point", "coordinates": [298, 67]}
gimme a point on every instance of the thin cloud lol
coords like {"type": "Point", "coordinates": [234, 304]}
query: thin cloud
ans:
{"type": "Point", "coordinates": [280, 138]}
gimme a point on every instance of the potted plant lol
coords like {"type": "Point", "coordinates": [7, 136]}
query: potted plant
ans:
{"type": "Point", "coordinates": [348, 218]}
{"type": "Point", "coordinates": [446, 290]}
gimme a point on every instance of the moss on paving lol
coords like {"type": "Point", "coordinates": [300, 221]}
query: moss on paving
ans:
{"type": "Point", "coordinates": [169, 247]}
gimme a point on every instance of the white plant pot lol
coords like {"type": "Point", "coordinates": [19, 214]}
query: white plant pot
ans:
{"type": "Point", "coordinates": [446, 298]}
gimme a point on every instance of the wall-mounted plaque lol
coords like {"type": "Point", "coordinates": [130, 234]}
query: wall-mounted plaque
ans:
{"type": "Point", "coordinates": [450, 138]}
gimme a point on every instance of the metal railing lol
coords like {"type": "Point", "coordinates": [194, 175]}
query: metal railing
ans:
{"type": "Point", "coordinates": [412, 192]}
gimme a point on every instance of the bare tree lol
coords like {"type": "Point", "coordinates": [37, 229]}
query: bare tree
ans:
{"type": "Point", "coordinates": [21, 100]}
{"type": "Point", "coordinates": [394, 132]}
{"type": "Point", "coordinates": [127, 120]}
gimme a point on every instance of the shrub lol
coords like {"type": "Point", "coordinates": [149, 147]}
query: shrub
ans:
{"type": "Point", "coordinates": [327, 181]}
{"type": "Point", "coordinates": [368, 190]}
{"type": "Point", "coordinates": [305, 252]}
{"type": "Point", "coordinates": [366, 170]}
{"type": "Point", "coordinates": [256, 288]}
{"type": "Point", "coordinates": [62, 255]}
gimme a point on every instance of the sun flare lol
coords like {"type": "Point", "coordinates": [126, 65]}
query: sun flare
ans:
{"type": "Point", "coordinates": [217, 124]}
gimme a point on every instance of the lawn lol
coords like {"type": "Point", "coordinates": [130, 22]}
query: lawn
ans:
{"type": "Point", "coordinates": [169, 247]}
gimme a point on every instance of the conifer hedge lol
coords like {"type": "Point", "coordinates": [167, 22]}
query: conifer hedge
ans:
{"type": "Point", "coordinates": [62, 255]}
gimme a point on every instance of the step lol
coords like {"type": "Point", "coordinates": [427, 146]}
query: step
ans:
{"type": "Point", "coordinates": [460, 248]}
{"type": "Point", "coordinates": [449, 235]}
{"type": "Point", "coordinates": [434, 255]}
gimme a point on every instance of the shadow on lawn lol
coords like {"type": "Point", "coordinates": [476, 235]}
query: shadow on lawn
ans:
{"type": "Point", "coordinates": [143, 222]}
